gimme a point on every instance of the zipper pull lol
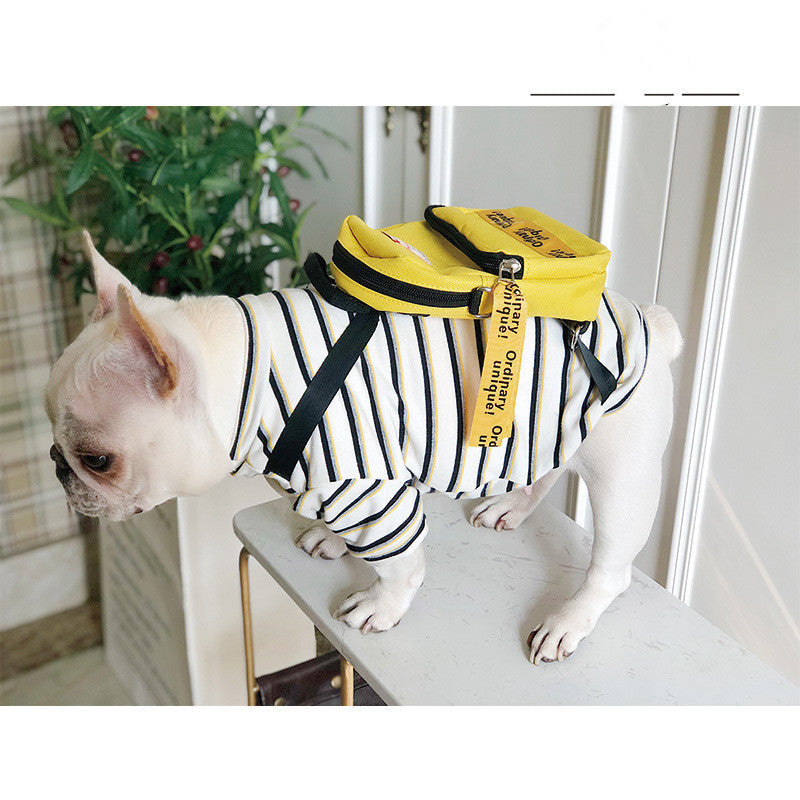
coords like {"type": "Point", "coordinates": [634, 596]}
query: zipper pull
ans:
{"type": "Point", "coordinates": [507, 269]}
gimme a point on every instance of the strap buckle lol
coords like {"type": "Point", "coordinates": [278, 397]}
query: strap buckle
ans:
{"type": "Point", "coordinates": [475, 300]}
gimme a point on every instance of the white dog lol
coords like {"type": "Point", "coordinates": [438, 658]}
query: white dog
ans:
{"type": "Point", "coordinates": [158, 398]}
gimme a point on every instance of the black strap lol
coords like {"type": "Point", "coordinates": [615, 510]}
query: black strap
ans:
{"type": "Point", "coordinates": [318, 395]}
{"type": "Point", "coordinates": [317, 272]}
{"type": "Point", "coordinates": [601, 375]}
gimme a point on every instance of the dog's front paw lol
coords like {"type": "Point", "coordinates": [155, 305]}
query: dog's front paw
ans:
{"type": "Point", "coordinates": [375, 609]}
{"type": "Point", "coordinates": [560, 633]}
{"type": "Point", "coordinates": [505, 512]}
{"type": "Point", "coordinates": [319, 541]}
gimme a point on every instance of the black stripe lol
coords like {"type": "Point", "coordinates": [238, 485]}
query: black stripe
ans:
{"type": "Point", "coordinates": [590, 390]}
{"type": "Point", "coordinates": [376, 418]}
{"type": "Point", "coordinates": [344, 485]}
{"type": "Point", "coordinates": [479, 342]}
{"type": "Point", "coordinates": [360, 548]}
{"type": "Point", "coordinates": [646, 354]}
{"type": "Point", "coordinates": [351, 504]}
{"type": "Point", "coordinates": [403, 548]}
{"type": "Point", "coordinates": [348, 402]}
{"type": "Point", "coordinates": [534, 417]}
{"type": "Point", "coordinates": [457, 388]}
{"type": "Point", "coordinates": [479, 347]}
{"type": "Point", "coordinates": [509, 450]}
{"type": "Point", "coordinates": [248, 374]}
{"type": "Point", "coordinates": [426, 380]}
{"type": "Point", "coordinates": [401, 408]}
{"type": "Point", "coordinates": [301, 363]}
{"type": "Point", "coordinates": [376, 515]}
{"type": "Point", "coordinates": [568, 356]}
{"type": "Point", "coordinates": [620, 351]}
{"type": "Point", "coordinates": [284, 409]}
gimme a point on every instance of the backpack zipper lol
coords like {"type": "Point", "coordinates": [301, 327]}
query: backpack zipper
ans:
{"type": "Point", "coordinates": [487, 261]}
{"type": "Point", "coordinates": [400, 290]}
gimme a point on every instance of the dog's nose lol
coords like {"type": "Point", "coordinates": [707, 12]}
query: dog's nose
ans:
{"type": "Point", "coordinates": [63, 469]}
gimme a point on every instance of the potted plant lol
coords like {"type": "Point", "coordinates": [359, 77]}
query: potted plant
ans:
{"type": "Point", "coordinates": [174, 196]}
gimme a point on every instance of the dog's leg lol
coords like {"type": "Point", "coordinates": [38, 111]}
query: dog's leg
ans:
{"type": "Point", "coordinates": [382, 605]}
{"type": "Point", "coordinates": [621, 464]}
{"type": "Point", "coordinates": [320, 541]}
{"type": "Point", "coordinates": [505, 512]}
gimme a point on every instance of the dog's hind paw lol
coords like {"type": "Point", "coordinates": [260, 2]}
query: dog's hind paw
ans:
{"type": "Point", "coordinates": [319, 541]}
{"type": "Point", "coordinates": [560, 633]}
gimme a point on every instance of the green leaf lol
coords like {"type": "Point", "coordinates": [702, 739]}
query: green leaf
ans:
{"type": "Point", "coordinates": [313, 153]}
{"type": "Point", "coordinates": [222, 184]}
{"type": "Point", "coordinates": [113, 177]}
{"type": "Point", "coordinates": [225, 206]}
{"type": "Point", "coordinates": [76, 114]}
{"type": "Point", "coordinates": [81, 170]}
{"type": "Point", "coordinates": [127, 225]}
{"type": "Point", "coordinates": [56, 114]}
{"type": "Point", "coordinates": [38, 212]}
{"type": "Point", "coordinates": [155, 144]}
{"type": "Point", "coordinates": [294, 165]}
{"type": "Point", "coordinates": [325, 132]}
{"type": "Point", "coordinates": [276, 184]}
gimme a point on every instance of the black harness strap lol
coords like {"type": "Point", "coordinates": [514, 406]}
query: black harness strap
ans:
{"type": "Point", "coordinates": [331, 375]}
{"type": "Point", "coordinates": [602, 377]}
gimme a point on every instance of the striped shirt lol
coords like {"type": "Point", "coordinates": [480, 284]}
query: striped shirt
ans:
{"type": "Point", "coordinates": [399, 426]}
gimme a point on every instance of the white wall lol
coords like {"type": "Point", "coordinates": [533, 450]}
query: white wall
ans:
{"type": "Point", "coordinates": [748, 552]}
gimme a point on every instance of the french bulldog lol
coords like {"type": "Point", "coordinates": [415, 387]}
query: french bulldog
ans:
{"type": "Point", "coordinates": [147, 400]}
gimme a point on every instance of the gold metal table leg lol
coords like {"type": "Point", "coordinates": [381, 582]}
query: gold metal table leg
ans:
{"type": "Point", "coordinates": [347, 682]}
{"type": "Point", "coordinates": [244, 582]}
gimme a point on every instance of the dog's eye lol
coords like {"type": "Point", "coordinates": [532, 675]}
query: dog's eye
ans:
{"type": "Point", "coordinates": [96, 463]}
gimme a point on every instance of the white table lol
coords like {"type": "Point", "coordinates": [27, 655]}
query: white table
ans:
{"type": "Point", "coordinates": [463, 641]}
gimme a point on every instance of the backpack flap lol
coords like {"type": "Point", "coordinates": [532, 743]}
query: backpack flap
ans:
{"type": "Point", "coordinates": [562, 272]}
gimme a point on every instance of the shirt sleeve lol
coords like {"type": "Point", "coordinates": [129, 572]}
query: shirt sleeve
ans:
{"type": "Point", "coordinates": [377, 519]}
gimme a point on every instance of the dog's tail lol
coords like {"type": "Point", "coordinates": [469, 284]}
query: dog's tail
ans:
{"type": "Point", "coordinates": [665, 329]}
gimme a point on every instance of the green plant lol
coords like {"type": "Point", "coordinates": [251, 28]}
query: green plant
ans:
{"type": "Point", "coordinates": [172, 195]}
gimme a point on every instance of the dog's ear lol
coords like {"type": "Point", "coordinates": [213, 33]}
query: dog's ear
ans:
{"type": "Point", "coordinates": [158, 350]}
{"type": "Point", "coordinates": [106, 279]}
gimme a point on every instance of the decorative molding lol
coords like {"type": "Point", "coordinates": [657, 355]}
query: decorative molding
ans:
{"type": "Point", "coordinates": [609, 153]}
{"type": "Point", "coordinates": [373, 129]}
{"type": "Point", "coordinates": [667, 193]}
{"type": "Point", "coordinates": [736, 171]}
{"type": "Point", "coordinates": [440, 157]}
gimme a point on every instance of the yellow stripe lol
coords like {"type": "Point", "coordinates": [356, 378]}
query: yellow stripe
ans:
{"type": "Point", "coordinates": [402, 383]}
{"type": "Point", "coordinates": [624, 335]}
{"type": "Point", "coordinates": [343, 494]}
{"type": "Point", "coordinates": [399, 539]}
{"type": "Point", "coordinates": [380, 414]}
{"type": "Point", "coordinates": [252, 377]}
{"type": "Point", "coordinates": [359, 503]}
{"type": "Point", "coordinates": [461, 433]}
{"type": "Point", "coordinates": [326, 421]}
{"type": "Point", "coordinates": [569, 395]}
{"type": "Point", "coordinates": [539, 392]}
{"type": "Point", "coordinates": [435, 437]}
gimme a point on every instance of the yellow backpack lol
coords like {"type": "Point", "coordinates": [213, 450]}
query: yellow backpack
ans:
{"type": "Point", "coordinates": [458, 263]}
{"type": "Point", "coordinates": [447, 265]}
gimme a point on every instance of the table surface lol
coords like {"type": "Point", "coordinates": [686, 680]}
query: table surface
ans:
{"type": "Point", "coordinates": [463, 641]}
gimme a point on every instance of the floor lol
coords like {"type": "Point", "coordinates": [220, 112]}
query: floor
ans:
{"type": "Point", "coordinates": [81, 679]}
{"type": "Point", "coordinates": [58, 661]}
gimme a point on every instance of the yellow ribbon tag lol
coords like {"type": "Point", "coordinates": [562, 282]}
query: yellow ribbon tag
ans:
{"type": "Point", "coordinates": [494, 409]}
